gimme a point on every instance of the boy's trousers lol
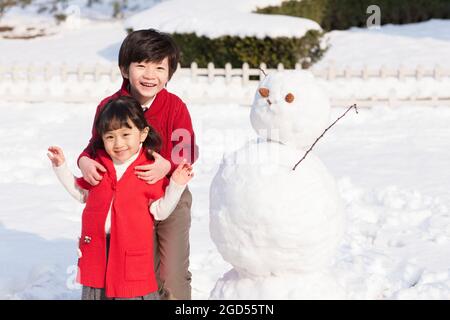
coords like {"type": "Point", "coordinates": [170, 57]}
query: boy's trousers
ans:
{"type": "Point", "coordinates": [172, 251]}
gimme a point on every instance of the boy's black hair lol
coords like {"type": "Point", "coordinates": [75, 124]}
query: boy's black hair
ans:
{"type": "Point", "coordinates": [118, 113]}
{"type": "Point", "coordinates": [149, 45]}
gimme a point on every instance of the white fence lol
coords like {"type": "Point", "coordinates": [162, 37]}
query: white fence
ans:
{"type": "Point", "coordinates": [330, 73]}
{"type": "Point", "coordinates": [88, 83]}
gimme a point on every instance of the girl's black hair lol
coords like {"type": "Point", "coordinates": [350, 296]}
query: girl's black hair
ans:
{"type": "Point", "coordinates": [116, 114]}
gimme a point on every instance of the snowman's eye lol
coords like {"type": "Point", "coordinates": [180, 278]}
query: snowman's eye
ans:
{"type": "Point", "coordinates": [264, 92]}
{"type": "Point", "coordinates": [289, 98]}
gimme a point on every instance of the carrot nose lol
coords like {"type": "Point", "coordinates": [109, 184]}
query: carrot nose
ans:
{"type": "Point", "coordinates": [264, 92]}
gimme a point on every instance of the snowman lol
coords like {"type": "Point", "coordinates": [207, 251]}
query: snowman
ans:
{"type": "Point", "coordinates": [279, 228]}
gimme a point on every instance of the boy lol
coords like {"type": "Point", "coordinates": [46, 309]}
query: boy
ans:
{"type": "Point", "coordinates": [147, 61]}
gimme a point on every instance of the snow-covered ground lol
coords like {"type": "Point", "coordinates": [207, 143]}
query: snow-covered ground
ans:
{"type": "Point", "coordinates": [391, 167]}
{"type": "Point", "coordinates": [86, 40]}
{"type": "Point", "coordinates": [99, 42]}
{"type": "Point", "coordinates": [425, 43]}
{"type": "Point", "coordinates": [90, 42]}
{"type": "Point", "coordinates": [391, 164]}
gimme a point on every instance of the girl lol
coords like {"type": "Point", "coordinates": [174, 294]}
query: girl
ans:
{"type": "Point", "coordinates": [116, 244]}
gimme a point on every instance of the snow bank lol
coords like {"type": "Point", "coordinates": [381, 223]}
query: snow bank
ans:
{"type": "Point", "coordinates": [219, 18]}
{"type": "Point", "coordinates": [425, 43]}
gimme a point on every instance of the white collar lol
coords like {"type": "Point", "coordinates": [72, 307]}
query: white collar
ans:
{"type": "Point", "coordinates": [148, 104]}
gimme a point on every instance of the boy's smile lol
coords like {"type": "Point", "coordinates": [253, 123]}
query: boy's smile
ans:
{"type": "Point", "coordinates": [147, 78]}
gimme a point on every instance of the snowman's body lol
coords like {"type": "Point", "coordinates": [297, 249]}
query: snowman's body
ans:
{"type": "Point", "coordinates": [276, 226]}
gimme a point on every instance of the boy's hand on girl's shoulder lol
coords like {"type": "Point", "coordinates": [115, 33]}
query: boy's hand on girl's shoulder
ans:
{"type": "Point", "coordinates": [151, 173]}
{"type": "Point", "coordinates": [183, 173]}
{"type": "Point", "coordinates": [56, 156]}
{"type": "Point", "coordinates": [89, 168]}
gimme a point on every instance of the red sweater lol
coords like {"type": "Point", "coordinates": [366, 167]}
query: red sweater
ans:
{"type": "Point", "coordinates": [129, 270]}
{"type": "Point", "coordinates": [166, 114]}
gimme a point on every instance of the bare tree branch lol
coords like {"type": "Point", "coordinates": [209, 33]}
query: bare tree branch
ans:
{"type": "Point", "coordinates": [262, 70]}
{"type": "Point", "coordinates": [352, 106]}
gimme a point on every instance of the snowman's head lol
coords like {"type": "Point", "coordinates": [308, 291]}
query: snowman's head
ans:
{"type": "Point", "coordinates": [291, 108]}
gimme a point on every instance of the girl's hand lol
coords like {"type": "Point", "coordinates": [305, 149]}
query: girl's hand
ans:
{"type": "Point", "coordinates": [154, 172]}
{"type": "Point", "coordinates": [88, 168]}
{"type": "Point", "coordinates": [56, 156]}
{"type": "Point", "coordinates": [183, 173]}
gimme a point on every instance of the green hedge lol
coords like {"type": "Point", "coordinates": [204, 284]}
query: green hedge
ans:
{"type": "Point", "coordinates": [343, 14]}
{"type": "Point", "coordinates": [252, 50]}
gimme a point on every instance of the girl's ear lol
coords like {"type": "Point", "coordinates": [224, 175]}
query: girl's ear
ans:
{"type": "Point", "coordinates": [144, 134]}
{"type": "Point", "coordinates": [124, 72]}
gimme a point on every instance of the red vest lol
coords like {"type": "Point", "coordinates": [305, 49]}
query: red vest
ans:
{"type": "Point", "coordinates": [129, 270]}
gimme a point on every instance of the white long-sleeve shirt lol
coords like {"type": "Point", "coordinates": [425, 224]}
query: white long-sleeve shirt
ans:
{"type": "Point", "coordinates": [160, 208]}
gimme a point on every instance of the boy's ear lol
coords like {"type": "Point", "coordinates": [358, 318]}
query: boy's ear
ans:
{"type": "Point", "coordinates": [124, 72]}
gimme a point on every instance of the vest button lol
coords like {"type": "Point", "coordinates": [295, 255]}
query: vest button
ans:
{"type": "Point", "coordinates": [87, 239]}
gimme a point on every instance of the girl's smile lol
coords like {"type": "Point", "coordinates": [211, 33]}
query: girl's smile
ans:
{"type": "Point", "coordinates": [121, 144]}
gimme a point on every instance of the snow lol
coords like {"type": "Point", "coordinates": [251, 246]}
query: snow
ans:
{"type": "Point", "coordinates": [425, 43]}
{"type": "Point", "coordinates": [298, 122]}
{"type": "Point", "coordinates": [220, 18]}
{"type": "Point", "coordinates": [92, 41]}
{"type": "Point", "coordinates": [275, 225]}
{"type": "Point", "coordinates": [269, 220]}
{"type": "Point", "coordinates": [390, 164]}
{"type": "Point", "coordinates": [31, 21]}
{"type": "Point", "coordinates": [102, 10]}
{"type": "Point", "coordinates": [391, 167]}
{"type": "Point", "coordinates": [312, 285]}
